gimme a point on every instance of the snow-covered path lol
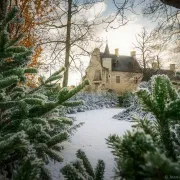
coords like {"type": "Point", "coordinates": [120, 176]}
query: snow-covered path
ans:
{"type": "Point", "coordinates": [99, 124]}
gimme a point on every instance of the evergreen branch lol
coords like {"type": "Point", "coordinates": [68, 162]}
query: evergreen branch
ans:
{"type": "Point", "coordinates": [45, 174]}
{"type": "Point", "coordinates": [16, 49]}
{"type": "Point", "coordinates": [30, 169]}
{"type": "Point", "coordinates": [53, 78]}
{"type": "Point", "coordinates": [52, 85]}
{"type": "Point", "coordinates": [70, 173]}
{"type": "Point", "coordinates": [42, 110]}
{"type": "Point", "coordinates": [12, 144]}
{"type": "Point", "coordinates": [99, 170]}
{"type": "Point", "coordinates": [58, 72]}
{"type": "Point", "coordinates": [59, 138]}
{"type": "Point", "coordinates": [18, 72]}
{"type": "Point", "coordinates": [11, 15]}
{"type": "Point", "coordinates": [14, 41]}
{"type": "Point", "coordinates": [8, 81]}
{"type": "Point", "coordinates": [30, 70]}
{"type": "Point", "coordinates": [66, 120]}
{"type": "Point", "coordinates": [173, 110]}
{"type": "Point", "coordinates": [80, 169]}
{"type": "Point", "coordinates": [7, 105]}
{"type": "Point", "coordinates": [22, 56]}
{"type": "Point", "coordinates": [81, 155]}
{"type": "Point", "coordinates": [64, 94]}
{"type": "Point", "coordinates": [54, 155]}
{"type": "Point", "coordinates": [34, 101]}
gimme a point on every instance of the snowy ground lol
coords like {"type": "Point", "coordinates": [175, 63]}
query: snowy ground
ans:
{"type": "Point", "coordinates": [99, 124]}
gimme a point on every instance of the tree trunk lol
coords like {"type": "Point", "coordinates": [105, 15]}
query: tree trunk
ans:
{"type": "Point", "coordinates": [158, 62]}
{"type": "Point", "coordinates": [68, 45]}
{"type": "Point", "coordinates": [173, 3]}
{"type": "Point", "coordinates": [3, 8]}
{"type": "Point", "coordinates": [145, 76]}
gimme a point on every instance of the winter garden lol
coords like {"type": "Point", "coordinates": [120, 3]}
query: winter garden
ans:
{"type": "Point", "coordinates": [48, 132]}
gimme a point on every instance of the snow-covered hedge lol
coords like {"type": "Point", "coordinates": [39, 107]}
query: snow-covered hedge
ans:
{"type": "Point", "coordinates": [135, 110]}
{"type": "Point", "coordinates": [93, 101]}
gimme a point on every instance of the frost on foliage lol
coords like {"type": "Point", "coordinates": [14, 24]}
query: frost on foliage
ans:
{"type": "Point", "coordinates": [135, 109]}
{"type": "Point", "coordinates": [152, 149]}
{"type": "Point", "coordinates": [82, 169]}
{"type": "Point", "coordinates": [31, 127]}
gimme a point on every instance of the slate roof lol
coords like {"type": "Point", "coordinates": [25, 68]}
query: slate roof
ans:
{"type": "Point", "coordinates": [122, 63]}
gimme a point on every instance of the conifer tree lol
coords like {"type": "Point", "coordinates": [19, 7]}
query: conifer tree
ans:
{"type": "Point", "coordinates": [29, 135]}
{"type": "Point", "coordinates": [81, 169]}
{"type": "Point", "coordinates": [151, 150]}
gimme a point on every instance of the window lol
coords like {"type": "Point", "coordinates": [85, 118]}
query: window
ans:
{"type": "Point", "coordinates": [135, 80]}
{"type": "Point", "coordinates": [97, 76]}
{"type": "Point", "coordinates": [117, 79]}
{"type": "Point", "coordinates": [115, 64]}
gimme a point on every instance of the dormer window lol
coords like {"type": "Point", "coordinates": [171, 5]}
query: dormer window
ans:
{"type": "Point", "coordinates": [115, 64]}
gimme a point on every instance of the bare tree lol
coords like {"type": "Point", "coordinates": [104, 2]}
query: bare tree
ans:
{"type": "Point", "coordinates": [150, 46]}
{"type": "Point", "coordinates": [165, 12]}
{"type": "Point", "coordinates": [151, 6]}
{"type": "Point", "coordinates": [70, 33]}
{"type": "Point", "coordinates": [68, 43]}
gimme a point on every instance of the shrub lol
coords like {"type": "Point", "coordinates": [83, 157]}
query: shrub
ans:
{"type": "Point", "coordinates": [125, 99]}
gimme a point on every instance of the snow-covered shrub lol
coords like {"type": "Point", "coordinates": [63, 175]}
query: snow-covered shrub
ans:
{"type": "Point", "coordinates": [151, 150]}
{"type": "Point", "coordinates": [93, 101]}
{"type": "Point", "coordinates": [134, 109]}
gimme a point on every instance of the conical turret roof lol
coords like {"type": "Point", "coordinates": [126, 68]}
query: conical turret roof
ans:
{"type": "Point", "coordinates": [106, 49]}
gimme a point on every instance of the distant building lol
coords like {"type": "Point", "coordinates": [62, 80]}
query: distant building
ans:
{"type": "Point", "coordinates": [113, 71]}
{"type": "Point", "coordinates": [171, 72]}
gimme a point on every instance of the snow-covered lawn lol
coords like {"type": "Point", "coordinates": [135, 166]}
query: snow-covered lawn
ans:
{"type": "Point", "coordinates": [99, 124]}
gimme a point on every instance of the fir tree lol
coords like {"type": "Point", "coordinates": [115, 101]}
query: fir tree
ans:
{"type": "Point", "coordinates": [29, 135]}
{"type": "Point", "coordinates": [151, 150]}
{"type": "Point", "coordinates": [81, 169]}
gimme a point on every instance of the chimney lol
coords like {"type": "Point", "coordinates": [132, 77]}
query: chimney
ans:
{"type": "Point", "coordinates": [117, 52]}
{"type": "Point", "coordinates": [155, 65]}
{"type": "Point", "coordinates": [172, 67]}
{"type": "Point", "coordinates": [133, 54]}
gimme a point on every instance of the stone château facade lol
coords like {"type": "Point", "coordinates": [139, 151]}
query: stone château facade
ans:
{"type": "Point", "coordinates": [113, 71]}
